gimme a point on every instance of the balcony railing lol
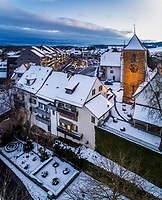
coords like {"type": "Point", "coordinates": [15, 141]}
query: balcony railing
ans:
{"type": "Point", "coordinates": [67, 112]}
{"type": "Point", "coordinates": [42, 112]}
{"type": "Point", "coordinates": [77, 136]}
{"type": "Point", "coordinates": [45, 121]}
{"type": "Point", "coordinates": [51, 107]}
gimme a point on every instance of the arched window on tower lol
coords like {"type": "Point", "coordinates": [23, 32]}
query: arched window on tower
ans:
{"type": "Point", "coordinates": [133, 59]}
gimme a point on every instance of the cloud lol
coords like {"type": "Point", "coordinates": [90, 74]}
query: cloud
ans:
{"type": "Point", "coordinates": [20, 23]}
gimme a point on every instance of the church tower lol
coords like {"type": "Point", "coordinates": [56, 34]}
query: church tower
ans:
{"type": "Point", "coordinates": [134, 67]}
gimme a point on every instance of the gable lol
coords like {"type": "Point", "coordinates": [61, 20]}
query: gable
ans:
{"type": "Point", "coordinates": [134, 44]}
{"type": "Point", "coordinates": [96, 89]}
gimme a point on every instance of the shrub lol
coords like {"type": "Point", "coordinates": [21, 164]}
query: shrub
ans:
{"type": "Point", "coordinates": [43, 154]}
{"type": "Point", "coordinates": [28, 146]}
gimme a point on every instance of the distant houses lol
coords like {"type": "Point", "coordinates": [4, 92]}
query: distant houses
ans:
{"type": "Point", "coordinates": [43, 56]}
{"type": "Point", "coordinates": [3, 71]}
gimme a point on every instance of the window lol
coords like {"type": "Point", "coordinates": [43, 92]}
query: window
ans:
{"type": "Point", "coordinates": [100, 88]}
{"type": "Point", "coordinates": [31, 109]}
{"type": "Point", "coordinates": [92, 119]}
{"type": "Point", "coordinates": [111, 71]}
{"type": "Point", "coordinates": [49, 128]}
{"type": "Point", "coordinates": [31, 100]}
{"type": "Point", "coordinates": [62, 124]}
{"type": "Point", "coordinates": [68, 127]}
{"type": "Point", "coordinates": [46, 108]}
{"type": "Point", "coordinates": [73, 108]}
{"type": "Point", "coordinates": [133, 59]}
{"type": "Point", "coordinates": [75, 127]}
{"type": "Point", "coordinates": [27, 82]}
{"type": "Point", "coordinates": [93, 91]}
{"type": "Point", "coordinates": [40, 105]}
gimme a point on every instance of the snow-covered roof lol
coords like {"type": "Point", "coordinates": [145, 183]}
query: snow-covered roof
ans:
{"type": "Point", "coordinates": [3, 64]}
{"type": "Point", "coordinates": [145, 83]}
{"type": "Point", "coordinates": [39, 73]}
{"type": "Point", "coordinates": [37, 53]}
{"type": "Point", "coordinates": [134, 44]}
{"type": "Point", "coordinates": [110, 59]}
{"type": "Point", "coordinates": [142, 113]}
{"type": "Point", "coordinates": [54, 84]}
{"type": "Point", "coordinates": [99, 105]}
{"type": "Point", "coordinates": [21, 69]}
{"type": "Point", "coordinates": [81, 92]}
{"type": "Point", "coordinates": [48, 49]}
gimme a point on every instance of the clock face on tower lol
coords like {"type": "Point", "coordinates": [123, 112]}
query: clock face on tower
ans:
{"type": "Point", "coordinates": [133, 68]}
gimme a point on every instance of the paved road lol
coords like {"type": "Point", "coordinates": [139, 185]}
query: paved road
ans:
{"type": "Point", "coordinates": [15, 184]}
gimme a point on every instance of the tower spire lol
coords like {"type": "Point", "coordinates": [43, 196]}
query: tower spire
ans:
{"type": "Point", "coordinates": [134, 28]}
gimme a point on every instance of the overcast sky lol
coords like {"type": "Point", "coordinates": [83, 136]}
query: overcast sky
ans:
{"type": "Point", "coordinates": [84, 21]}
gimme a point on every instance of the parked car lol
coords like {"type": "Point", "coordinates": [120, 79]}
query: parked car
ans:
{"type": "Point", "coordinates": [71, 69]}
{"type": "Point", "coordinates": [109, 82]}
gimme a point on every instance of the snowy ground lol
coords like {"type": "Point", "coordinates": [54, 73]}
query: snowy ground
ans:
{"type": "Point", "coordinates": [133, 134]}
{"type": "Point", "coordinates": [76, 181]}
{"type": "Point", "coordinates": [80, 183]}
{"type": "Point", "coordinates": [30, 163]}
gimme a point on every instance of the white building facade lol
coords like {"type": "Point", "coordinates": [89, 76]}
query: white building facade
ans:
{"type": "Point", "coordinates": [110, 66]}
{"type": "Point", "coordinates": [68, 107]}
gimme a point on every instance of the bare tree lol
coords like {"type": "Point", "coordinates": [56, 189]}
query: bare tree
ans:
{"type": "Point", "coordinates": [9, 190]}
{"type": "Point", "coordinates": [11, 104]}
{"type": "Point", "coordinates": [153, 98]}
{"type": "Point", "coordinates": [110, 181]}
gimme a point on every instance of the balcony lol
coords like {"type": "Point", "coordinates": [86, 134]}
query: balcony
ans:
{"type": "Point", "coordinates": [45, 121]}
{"type": "Point", "coordinates": [42, 112]}
{"type": "Point", "coordinates": [77, 136]}
{"type": "Point", "coordinates": [51, 107]}
{"type": "Point", "coordinates": [69, 113]}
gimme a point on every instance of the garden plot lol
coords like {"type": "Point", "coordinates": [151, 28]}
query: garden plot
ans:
{"type": "Point", "coordinates": [28, 161]}
{"type": "Point", "coordinates": [13, 150]}
{"type": "Point", "coordinates": [55, 175]}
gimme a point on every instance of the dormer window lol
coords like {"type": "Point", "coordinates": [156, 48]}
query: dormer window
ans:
{"type": "Point", "coordinates": [31, 79]}
{"type": "Point", "coordinates": [71, 88]}
{"type": "Point", "coordinates": [28, 82]}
